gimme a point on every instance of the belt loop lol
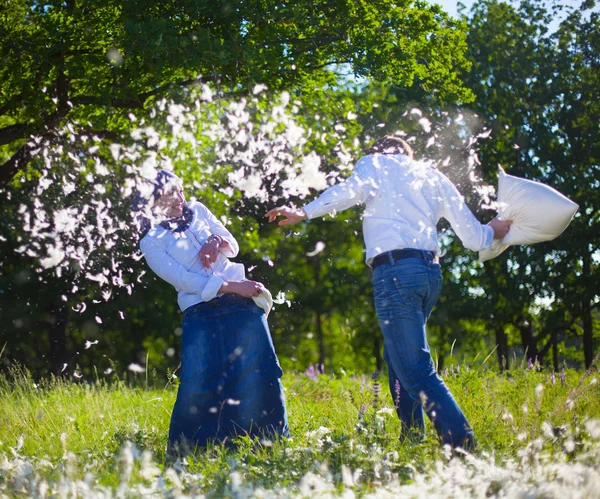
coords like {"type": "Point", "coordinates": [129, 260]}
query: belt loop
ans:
{"type": "Point", "coordinates": [390, 257]}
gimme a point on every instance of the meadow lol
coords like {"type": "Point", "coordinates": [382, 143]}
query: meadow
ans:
{"type": "Point", "coordinates": [538, 433]}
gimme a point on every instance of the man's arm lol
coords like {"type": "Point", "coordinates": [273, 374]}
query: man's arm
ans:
{"type": "Point", "coordinates": [352, 191]}
{"type": "Point", "coordinates": [473, 234]}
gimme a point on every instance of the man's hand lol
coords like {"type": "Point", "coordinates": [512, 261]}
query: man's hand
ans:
{"type": "Point", "coordinates": [500, 227]}
{"type": "Point", "coordinates": [292, 216]}
{"type": "Point", "coordinates": [210, 251]}
{"type": "Point", "coordinates": [247, 289]}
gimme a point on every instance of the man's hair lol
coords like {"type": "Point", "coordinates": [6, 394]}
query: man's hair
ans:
{"type": "Point", "coordinates": [391, 144]}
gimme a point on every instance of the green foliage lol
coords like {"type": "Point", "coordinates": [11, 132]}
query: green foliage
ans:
{"type": "Point", "coordinates": [537, 92]}
{"type": "Point", "coordinates": [87, 63]}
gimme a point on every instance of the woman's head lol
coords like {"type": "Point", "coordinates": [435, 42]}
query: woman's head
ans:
{"type": "Point", "coordinates": [161, 199]}
{"type": "Point", "coordinates": [163, 195]}
{"type": "Point", "coordinates": [170, 203]}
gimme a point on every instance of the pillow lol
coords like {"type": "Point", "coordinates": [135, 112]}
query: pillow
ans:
{"type": "Point", "coordinates": [264, 300]}
{"type": "Point", "coordinates": [539, 213]}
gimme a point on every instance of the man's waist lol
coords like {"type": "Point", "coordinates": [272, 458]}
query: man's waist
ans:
{"type": "Point", "coordinates": [403, 253]}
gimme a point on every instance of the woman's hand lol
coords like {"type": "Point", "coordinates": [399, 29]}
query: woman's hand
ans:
{"type": "Point", "coordinates": [292, 216]}
{"type": "Point", "coordinates": [210, 251]}
{"type": "Point", "coordinates": [247, 289]}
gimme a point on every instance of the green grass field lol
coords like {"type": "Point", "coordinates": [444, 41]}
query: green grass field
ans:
{"type": "Point", "coordinates": [539, 436]}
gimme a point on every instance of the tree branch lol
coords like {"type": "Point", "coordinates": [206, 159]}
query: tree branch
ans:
{"type": "Point", "coordinates": [162, 88]}
{"type": "Point", "coordinates": [102, 134]}
{"type": "Point", "coordinates": [5, 107]}
{"type": "Point", "coordinates": [542, 353]}
{"type": "Point", "coordinates": [92, 100]}
{"type": "Point", "coordinates": [12, 132]}
{"type": "Point", "coordinates": [325, 64]}
{"type": "Point", "coordinates": [138, 101]}
{"type": "Point", "coordinates": [22, 156]}
{"type": "Point", "coordinates": [13, 165]}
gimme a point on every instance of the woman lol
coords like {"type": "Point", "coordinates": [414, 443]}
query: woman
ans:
{"type": "Point", "coordinates": [230, 376]}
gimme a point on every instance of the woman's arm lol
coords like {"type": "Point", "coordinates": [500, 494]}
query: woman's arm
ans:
{"type": "Point", "coordinates": [168, 269]}
{"type": "Point", "coordinates": [229, 247]}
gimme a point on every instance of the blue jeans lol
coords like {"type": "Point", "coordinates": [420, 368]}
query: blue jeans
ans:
{"type": "Point", "coordinates": [230, 376]}
{"type": "Point", "coordinates": [405, 293]}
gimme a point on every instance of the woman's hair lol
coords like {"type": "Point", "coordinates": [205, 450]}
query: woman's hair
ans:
{"type": "Point", "coordinates": [391, 144]}
{"type": "Point", "coordinates": [156, 187]}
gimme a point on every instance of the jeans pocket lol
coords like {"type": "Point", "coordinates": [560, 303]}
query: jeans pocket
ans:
{"type": "Point", "coordinates": [411, 289]}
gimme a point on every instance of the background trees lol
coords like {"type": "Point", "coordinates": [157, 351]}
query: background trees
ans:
{"type": "Point", "coordinates": [536, 92]}
{"type": "Point", "coordinates": [91, 90]}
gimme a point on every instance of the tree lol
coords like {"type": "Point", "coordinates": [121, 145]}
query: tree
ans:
{"type": "Point", "coordinates": [535, 90]}
{"type": "Point", "coordinates": [88, 64]}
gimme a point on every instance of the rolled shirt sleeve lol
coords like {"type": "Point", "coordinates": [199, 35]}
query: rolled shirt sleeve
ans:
{"type": "Point", "coordinates": [473, 234]}
{"type": "Point", "coordinates": [168, 269]}
{"type": "Point", "coordinates": [216, 227]}
{"type": "Point", "coordinates": [352, 191]}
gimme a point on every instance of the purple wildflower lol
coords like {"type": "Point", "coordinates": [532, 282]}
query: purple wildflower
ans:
{"type": "Point", "coordinates": [563, 376]}
{"type": "Point", "coordinates": [310, 372]}
{"type": "Point", "coordinates": [397, 389]}
{"type": "Point", "coordinates": [361, 412]}
{"type": "Point", "coordinates": [553, 378]}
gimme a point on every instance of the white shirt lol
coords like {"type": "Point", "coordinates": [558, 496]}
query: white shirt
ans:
{"type": "Point", "coordinates": [404, 200]}
{"type": "Point", "coordinates": [174, 256]}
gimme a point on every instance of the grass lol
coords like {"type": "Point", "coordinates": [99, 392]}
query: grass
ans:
{"type": "Point", "coordinates": [108, 438]}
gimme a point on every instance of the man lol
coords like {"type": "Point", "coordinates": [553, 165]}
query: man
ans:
{"type": "Point", "coordinates": [404, 201]}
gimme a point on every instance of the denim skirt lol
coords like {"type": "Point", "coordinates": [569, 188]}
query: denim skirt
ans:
{"type": "Point", "coordinates": [230, 381]}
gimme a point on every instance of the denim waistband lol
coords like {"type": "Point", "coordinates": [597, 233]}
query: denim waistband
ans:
{"type": "Point", "coordinates": [220, 304]}
{"type": "Point", "coordinates": [400, 254]}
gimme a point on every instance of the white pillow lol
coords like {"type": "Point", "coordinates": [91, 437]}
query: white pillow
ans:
{"type": "Point", "coordinates": [264, 300]}
{"type": "Point", "coordinates": [539, 213]}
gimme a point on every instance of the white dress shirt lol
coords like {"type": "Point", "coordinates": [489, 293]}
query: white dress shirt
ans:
{"type": "Point", "coordinates": [404, 200]}
{"type": "Point", "coordinates": [175, 257]}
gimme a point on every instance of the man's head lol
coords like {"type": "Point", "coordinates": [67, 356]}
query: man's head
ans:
{"type": "Point", "coordinates": [391, 144]}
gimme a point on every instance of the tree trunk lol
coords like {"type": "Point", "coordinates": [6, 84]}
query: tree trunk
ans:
{"type": "Point", "coordinates": [528, 340]}
{"type": "Point", "coordinates": [377, 352]}
{"type": "Point", "coordinates": [588, 335]}
{"type": "Point", "coordinates": [586, 309]}
{"type": "Point", "coordinates": [57, 335]}
{"type": "Point", "coordinates": [320, 337]}
{"type": "Point", "coordinates": [555, 349]}
{"type": "Point", "coordinates": [502, 350]}
{"type": "Point", "coordinates": [443, 336]}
